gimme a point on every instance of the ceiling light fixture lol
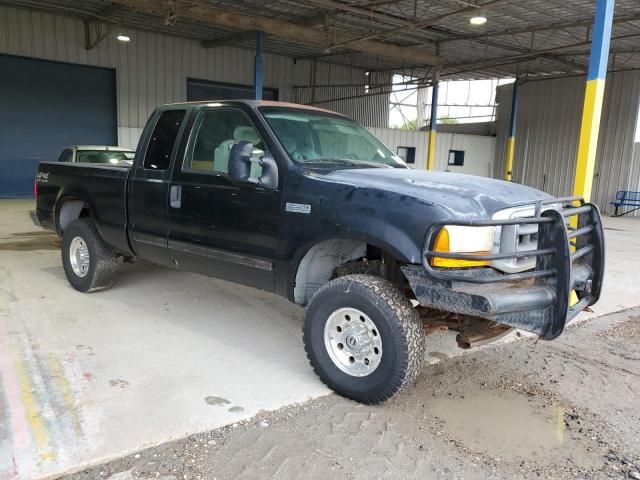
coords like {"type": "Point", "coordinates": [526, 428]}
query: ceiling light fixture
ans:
{"type": "Point", "coordinates": [479, 19]}
{"type": "Point", "coordinates": [123, 38]}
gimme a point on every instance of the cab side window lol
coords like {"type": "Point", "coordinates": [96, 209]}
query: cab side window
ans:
{"type": "Point", "coordinates": [215, 134]}
{"type": "Point", "coordinates": [163, 138]}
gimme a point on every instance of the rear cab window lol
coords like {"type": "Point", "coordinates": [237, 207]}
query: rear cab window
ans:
{"type": "Point", "coordinates": [163, 139]}
{"type": "Point", "coordinates": [66, 155]}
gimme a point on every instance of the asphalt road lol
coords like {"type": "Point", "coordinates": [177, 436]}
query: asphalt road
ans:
{"type": "Point", "coordinates": [528, 409]}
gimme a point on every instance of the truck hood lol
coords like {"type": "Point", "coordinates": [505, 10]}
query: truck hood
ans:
{"type": "Point", "coordinates": [458, 194]}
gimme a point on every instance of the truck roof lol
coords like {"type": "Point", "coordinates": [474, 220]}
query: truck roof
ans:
{"type": "Point", "coordinates": [252, 104]}
{"type": "Point", "coordinates": [106, 148]}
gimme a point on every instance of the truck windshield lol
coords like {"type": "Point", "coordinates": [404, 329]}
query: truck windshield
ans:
{"type": "Point", "coordinates": [324, 141]}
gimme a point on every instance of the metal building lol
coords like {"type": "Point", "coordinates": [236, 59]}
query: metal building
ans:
{"type": "Point", "coordinates": [91, 71]}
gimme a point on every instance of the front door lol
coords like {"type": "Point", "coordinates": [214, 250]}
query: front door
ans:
{"type": "Point", "coordinates": [223, 228]}
{"type": "Point", "coordinates": [149, 187]}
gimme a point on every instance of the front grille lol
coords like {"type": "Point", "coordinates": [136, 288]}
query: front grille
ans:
{"type": "Point", "coordinates": [516, 238]}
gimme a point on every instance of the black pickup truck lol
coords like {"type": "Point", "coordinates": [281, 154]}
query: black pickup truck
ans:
{"type": "Point", "coordinates": [309, 205]}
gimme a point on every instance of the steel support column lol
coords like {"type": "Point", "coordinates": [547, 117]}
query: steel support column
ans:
{"type": "Point", "coordinates": [258, 72]}
{"type": "Point", "coordinates": [511, 141]}
{"type": "Point", "coordinates": [433, 126]}
{"type": "Point", "coordinates": [594, 93]}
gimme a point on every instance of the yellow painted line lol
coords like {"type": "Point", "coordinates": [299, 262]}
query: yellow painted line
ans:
{"type": "Point", "coordinates": [36, 423]}
{"type": "Point", "coordinates": [65, 390]}
{"type": "Point", "coordinates": [508, 171]}
{"type": "Point", "coordinates": [431, 154]}
{"type": "Point", "coordinates": [588, 144]}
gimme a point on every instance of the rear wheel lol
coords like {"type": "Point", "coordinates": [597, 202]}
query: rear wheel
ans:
{"type": "Point", "coordinates": [363, 338]}
{"type": "Point", "coordinates": [88, 263]}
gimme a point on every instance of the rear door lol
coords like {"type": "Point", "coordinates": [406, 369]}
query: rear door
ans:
{"type": "Point", "coordinates": [148, 188]}
{"type": "Point", "coordinates": [220, 227]}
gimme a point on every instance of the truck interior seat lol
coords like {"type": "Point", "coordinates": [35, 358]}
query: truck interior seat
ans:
{"type": "Point", "coordinates": [221, 154]}
{"type": "Point", "coordinates": [202, 165]}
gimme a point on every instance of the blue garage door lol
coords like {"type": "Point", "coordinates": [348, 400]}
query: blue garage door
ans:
{"type": "Point", "coordinates": [45, 106]}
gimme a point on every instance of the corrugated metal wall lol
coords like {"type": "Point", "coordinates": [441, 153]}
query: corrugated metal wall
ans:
{"type": "Point", "coordinates": [371, 110]}
{"type": "Point", "coordinates": [549, 114]}
{"type": "Point", "coordinates": [480, 151]}
{"type": "Point", "coordinates": [153, 69]}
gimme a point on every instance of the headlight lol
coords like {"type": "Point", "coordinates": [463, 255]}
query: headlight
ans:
{"type": "Point", "coordinates": [459, 239]}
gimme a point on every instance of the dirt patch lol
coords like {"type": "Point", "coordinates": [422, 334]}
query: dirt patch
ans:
{"type": "Point", "coordinates": [628, 329]}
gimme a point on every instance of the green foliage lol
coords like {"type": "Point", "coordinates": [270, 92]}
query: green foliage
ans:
{"type": "Point", "coordinates": [410, 125]}
{"type": "Point", "coordinates": [448, 120]}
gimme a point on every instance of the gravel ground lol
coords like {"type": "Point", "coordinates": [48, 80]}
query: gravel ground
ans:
{"type": "Point", "coordinates": [529, 409]}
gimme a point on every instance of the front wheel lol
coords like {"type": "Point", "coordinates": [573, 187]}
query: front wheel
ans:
{"type": "Point", "coordinates": [88, 263]}
{"type": "Point", "coordinates": [363, 338]}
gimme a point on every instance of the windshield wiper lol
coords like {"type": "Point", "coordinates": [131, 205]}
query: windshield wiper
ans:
{"type": "Point", "coordinates": [348, 162]}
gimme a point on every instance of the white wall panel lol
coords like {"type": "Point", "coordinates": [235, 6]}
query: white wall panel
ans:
{"type": "Point", "coordinates": [153, 69]}
{"type": "Point", "coordinates": [479, 150]}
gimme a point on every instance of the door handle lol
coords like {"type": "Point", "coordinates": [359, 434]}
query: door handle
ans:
{"type": "Point", "coordinates": [175, 196]}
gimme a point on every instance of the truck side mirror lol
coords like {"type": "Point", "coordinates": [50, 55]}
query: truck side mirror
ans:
{"type": "Point", "coordinates": [269, 177]}
{"type": "Point", "coordinates": [240, 161]}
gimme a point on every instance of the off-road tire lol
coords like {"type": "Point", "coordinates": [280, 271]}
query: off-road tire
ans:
{"type": "Point", "coordinates": [400, 327]}
{"type": "Point", "coordinates": [103, 263]}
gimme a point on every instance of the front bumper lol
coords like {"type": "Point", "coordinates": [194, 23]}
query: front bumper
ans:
{"type": "Point", "coordinates": [569, 257]}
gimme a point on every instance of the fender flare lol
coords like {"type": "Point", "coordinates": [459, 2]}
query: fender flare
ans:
{"type": "Point", "coordinates": [300, 294]}
{"type": "Point", "coordinates": [61, 201]}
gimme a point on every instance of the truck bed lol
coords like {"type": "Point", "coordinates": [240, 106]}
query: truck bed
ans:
{"type": "Point", "coordinates": [102, 186]}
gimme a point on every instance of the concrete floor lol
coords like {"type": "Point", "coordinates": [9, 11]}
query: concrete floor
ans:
{"type": "Point", "coordinates": [554, 411]}
{"type": "Point", "coordinates": [163, 354]}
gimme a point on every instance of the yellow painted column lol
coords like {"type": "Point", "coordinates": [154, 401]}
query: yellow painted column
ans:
{"type": "Point", "coordinates": [594, 93]}
{"type": "Point", "coordinates": [511, 141]}
{"type": "Point", "coordinates": [433, 126]}
{"type": "Point", "coordinates": [592, 108]}
{"type": "Point", "coordinates": [588, 144]}
{"type": "Point", "coordinates": [431, 156]}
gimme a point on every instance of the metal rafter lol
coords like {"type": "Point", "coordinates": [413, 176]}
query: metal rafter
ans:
{"type": "Point", "coordinates": [241, 21]}
{"type": "Point", "coordinates": [307, 21]}
{"type": "Point", "coordinates": [583, 22]}
{"type": "Point", "coordinates": [392, 32]}
{"type": "Point", "coordinates": [533, 54]}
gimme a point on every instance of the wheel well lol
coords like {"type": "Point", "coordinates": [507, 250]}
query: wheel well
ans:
{"type": "Point", "coordinates": [338, 257]}
{"type": "Point", "coordinates": [69, 211]}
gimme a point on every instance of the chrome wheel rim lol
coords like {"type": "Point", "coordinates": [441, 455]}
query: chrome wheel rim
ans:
{"type": "Point", "coordinates": [353, 342]}
{"type": "Point", "coordinates": [79, 256]}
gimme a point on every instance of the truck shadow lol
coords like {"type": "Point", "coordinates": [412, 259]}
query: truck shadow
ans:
{"type": "Point", "coordinates": [30, 241]}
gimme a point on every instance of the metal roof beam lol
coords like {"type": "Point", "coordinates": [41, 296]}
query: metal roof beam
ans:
{"type": "Point", "coordinates": [230, 40]}
{"type": "Point", "coordinates": [583, 22]}
{"type": "Point", "coordinates": [307, 21]}
{"type": "Point", "coordinates": [500, 61]}
{"type": "Point", "coordinates": [242, 21]}
{"type": "Point", "coordinates": [415, 25]}
{"type": "Point", "coordinates": [333, 5]}
{"type": "Point", "coordinates": [95, 32]}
